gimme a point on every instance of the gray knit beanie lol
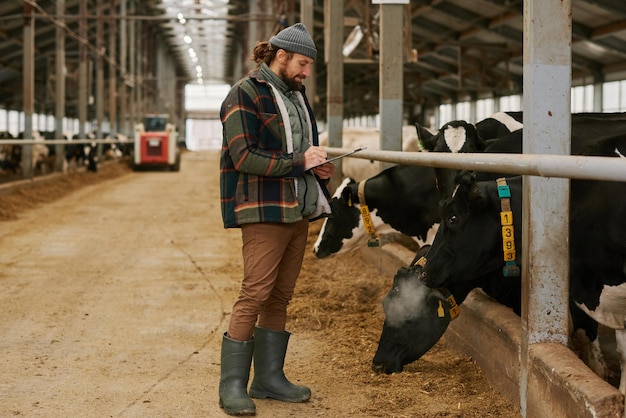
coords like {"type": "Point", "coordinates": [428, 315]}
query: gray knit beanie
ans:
{"type": "Point", "coordinates": [296, 39]}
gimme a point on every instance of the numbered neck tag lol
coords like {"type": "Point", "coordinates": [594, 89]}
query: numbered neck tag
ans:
{"type": "Point", "coordinates": [454, 308]}
{"type": "Point", "coordinates": [374, 239]}
{"type": "Point", "coordinates": [510, 269]}
{"type": "Point", "coordinates": [452, 305]}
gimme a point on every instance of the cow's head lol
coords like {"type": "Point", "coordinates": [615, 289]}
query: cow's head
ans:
{"type": "Point", "coordinates": [456, 136]}
{"type": "Point", "coordinates": [468, 244]}
{"type": "Point", "coordinates": [343, 229]}
{"type": "Point", "coordinates": [416, 317]}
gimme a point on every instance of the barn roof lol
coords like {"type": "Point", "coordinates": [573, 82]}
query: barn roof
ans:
{"type": "Point", "coordinates": [457, 49]}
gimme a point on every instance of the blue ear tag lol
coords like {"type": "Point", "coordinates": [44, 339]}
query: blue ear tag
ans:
{"type": "Point", "coordinates": [373, 241]}
{"type": "Point", "coordinates": [511, 269]}
{"type": "Point", "coordinates": [504, 191]}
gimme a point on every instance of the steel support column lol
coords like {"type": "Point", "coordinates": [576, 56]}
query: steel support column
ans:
{"type": "Point", "coordinates": [59, 99]}
{"type": "Point", "coordinates": [59, 111]}
{"type": "Point", "coordinates": [306, 17]}
{"type": "Point", "coordinates": [112, 72]}
{"type": "Point", "coordinates": [83, 75]}
{"type": "Point", "coordinates": [391, 77]}
{"type": "Point", "coordinates": [123, 45]}
{"type": "Point", "coordinates": [99, 99]}
{"type": "Point", "coordinates": [28, 75]}
{"type": "Point", "coordinates": [333, 37]}
{"type": "Point", "coordinates": [545, 209]}
{"type": "Point", "coordinates": [132, 70]}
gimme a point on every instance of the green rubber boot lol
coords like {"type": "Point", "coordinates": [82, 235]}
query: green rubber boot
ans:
{"type": "Point", "coordinates": [269, 358]}
{"type": "Point", "coordinates": [235, 373]}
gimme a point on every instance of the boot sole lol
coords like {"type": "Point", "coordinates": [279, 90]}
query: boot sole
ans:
{"type": "Point", "coordinates": [236, 412]}
{"type": "Point", "coordinates": [266, 395]}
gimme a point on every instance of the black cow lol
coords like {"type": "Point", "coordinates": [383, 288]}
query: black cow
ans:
{"type": "Point", "coordinates": [597, 247]}
{"type": "Point", "coordinates": [468, 267]}
{"type": "Point", "coordinates": [416, 317]}
{"type": "Point", "coordinates": [397, 345]}
{"type": "Point", "coordinates": [401, 198]}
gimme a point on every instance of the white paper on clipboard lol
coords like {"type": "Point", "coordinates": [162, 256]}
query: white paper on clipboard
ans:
{"type": "Point", "coordinates": [338, 157]}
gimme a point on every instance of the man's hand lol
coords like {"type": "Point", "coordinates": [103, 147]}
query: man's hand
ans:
{"type": "Point", "coordinates": [314, 156]}
{"type": "Point", "coordinates": [324, 171]}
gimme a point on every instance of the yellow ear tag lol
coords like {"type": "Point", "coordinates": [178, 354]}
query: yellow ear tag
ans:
{"type": "Point", "coordinates": [350, 201]}
{"type": "Point", "coordinates": [440, 312]}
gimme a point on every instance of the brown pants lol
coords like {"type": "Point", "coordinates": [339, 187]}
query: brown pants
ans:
{"type": "Point", "coordinates": [272, 258]}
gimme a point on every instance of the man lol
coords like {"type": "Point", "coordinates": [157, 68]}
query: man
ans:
{"type": "Point", "coordinates": [271, 187]}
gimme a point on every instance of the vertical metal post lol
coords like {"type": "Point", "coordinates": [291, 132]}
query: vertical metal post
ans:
{"type": "Point", "coordinates": [545, 210]}
{"type": "Point", "coordinates": [123, 73]}
{"type": "Point", "coordinates": [391, 78]}
{"type": "Point", "coordinates": [472, 110]}
{"type": "Point", "coordinates": [28, 88]}
{"type": "Point", "coordinates": [139, 68]}
{"type": "Point", "coordinates": [132, 69]}
{"type": "Point", "coordinates": [99, 99]}
{"type": "Point", "coordinates": [59, 111]}
{"type": "Point", "coordinates": [333, 37]}
{"type": "Point", "coordinates": [598, 96]}
{"type": "Point", "coordinates": [82, 70]}
{"type": "Point", "coordinates": [112, 72]}
{"type": "Point", "coordinates": [306, 13]}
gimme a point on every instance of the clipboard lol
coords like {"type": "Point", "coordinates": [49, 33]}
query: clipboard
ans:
{"type": "Point", "coordinates": [338, 157]}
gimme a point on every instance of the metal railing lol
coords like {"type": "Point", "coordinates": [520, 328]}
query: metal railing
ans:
{"type": "Point", "coordinates": [544, 165]}
{"type": "Point", "coordinates": [62, 141]}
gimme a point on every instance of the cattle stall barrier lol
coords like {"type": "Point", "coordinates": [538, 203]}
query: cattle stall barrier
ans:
{"type": "Point", "coordinates": [25, 143]}
{"type": "Point", "coordinates": [544, 165]}
{"type": "Point", "coordinates": [491, 333]}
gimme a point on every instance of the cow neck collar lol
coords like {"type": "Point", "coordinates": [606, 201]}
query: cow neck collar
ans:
{"type": "Point", "coordinates": [447, 295]}
{"type": "Point", "coordinates": [510, 269]}
{"type": "Point", "coordinates": [374, 239]}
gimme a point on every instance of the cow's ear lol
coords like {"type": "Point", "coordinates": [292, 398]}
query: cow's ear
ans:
{"type": "Point", "coordinates": [481, 143]}
{"type": "Point", "coordinates": [477, 196]}
{"type": "Point", "coordinates": [426, 140]}
{"type": "Point", "coordinates": [467, 181]}
{"type": "Point", "coordinates": [347, 196]}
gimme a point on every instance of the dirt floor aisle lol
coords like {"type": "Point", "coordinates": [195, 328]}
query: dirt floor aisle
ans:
{"type": "Point", "coordinates": [114, 299]}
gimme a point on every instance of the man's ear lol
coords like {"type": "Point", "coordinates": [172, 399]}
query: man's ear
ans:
{"type": "Point", "coordinates": [282, 56]}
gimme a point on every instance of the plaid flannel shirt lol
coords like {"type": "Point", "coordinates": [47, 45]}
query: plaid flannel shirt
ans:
{"type": "Point", "coordinates": [257, 173]}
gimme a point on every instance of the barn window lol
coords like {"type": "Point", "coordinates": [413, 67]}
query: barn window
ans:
{"type": "Point", "coordinates": [582, 99]}
{"type": "Point", "coordinates": [614, 96]}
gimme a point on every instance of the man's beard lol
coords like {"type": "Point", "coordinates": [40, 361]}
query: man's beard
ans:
{"type": "Point", "coordinates": [291, 82]}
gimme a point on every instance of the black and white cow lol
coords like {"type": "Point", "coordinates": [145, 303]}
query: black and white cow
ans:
{"type": "Point", "coordinates": [416, 317]}
{"type": "Point", "coordinates": [404, 200]}
{"type": "Point", "coordinates": [79, 154]}
{"type": "Point", "coordinates": [597, 248]}
{"type": "Point", "coordinates": [400, 199]}
{"type": "Point", "coordinates": [499, 124]}
{"type": "Point", "coordinates": [468, 267]}
{"type": "Point", "coordinates": [397, 345]}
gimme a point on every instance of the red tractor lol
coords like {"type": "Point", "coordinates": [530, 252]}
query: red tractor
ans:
{"type": "Point", "coordinates": [156, 144]}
